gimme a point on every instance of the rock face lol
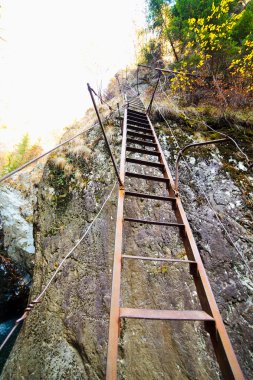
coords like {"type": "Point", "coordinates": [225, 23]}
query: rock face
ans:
{"type": "Point", "coordinates": [16, 258]}
{"type": "Point", "coordinates": [16, 251]}
{"type": "Point", "coordinates": [16, 227]}
{"type": "Point", "coordinates": [65, 337]}
{"type": "Point", "coordinates": [14, 289]}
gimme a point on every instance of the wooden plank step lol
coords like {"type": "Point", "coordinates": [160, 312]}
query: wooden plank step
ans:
{"type": "Point", "coordinates": [158, 259]}
{"type": "Point", "coordinates": [141, 142]}
{"type": "Point", "coordinates": [144, 151]}
{"type": "Point", "coordinates": [155, 222]}
{"type": "Point", "coordinates": [141, 136]}
{"type": "Point", "coordinates": [148, 196]}
{"type": "Point", "coordinates": [147, 177]}
{"type": "Point", "coordinates": [144, 162]}
{"type": "Point", "coordinates": [172, 315]}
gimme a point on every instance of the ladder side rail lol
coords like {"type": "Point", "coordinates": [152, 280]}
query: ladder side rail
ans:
{"type": "Point", "coordinates": [222, 346]}
{"type": "Point", "coordinates": [114, 325]}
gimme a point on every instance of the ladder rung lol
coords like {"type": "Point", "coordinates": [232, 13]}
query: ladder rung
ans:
{"type": "Point", "coordinates": [147, 177]}
{"type": "Point", "coordinates": [159, 259]}
{"type": "Point", "coordinates": [149, 196]}
{"type": "Point", "coordinates": [140, 129]}
{"type": "Point", "coordinates": [173, 315]}
{"type": "Point", "coordinates": [137, 122]}
{"type": "Point", "coordinates": [143, 162]}
{"type": "Point", "coordinates": [141, 136]}
{"type": "Point", "coordinates": [134, 141]}
{"type": "Point", "coordinates": [135, 104]}
{"type": "Point", "coordinates": [138, 118]}
{"type": "Point", "coordinates": [137, 109]}
{"type": "Point", "coordinates": [158, 223]}
{"type": "Point", "coordinates": [135, 101]}
{"type": "Point", "coordinates": [133, 124]}
{"type": "Point", "coordinates": [133, 113]}
{"type": "Point", "coordinates": [137, 114]}
{"type": "Point", "coordinates": [144, 151]}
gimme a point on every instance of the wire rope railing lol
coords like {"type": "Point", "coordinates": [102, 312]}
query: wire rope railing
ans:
{"type": "Point", "coordinates": [39, 297]}
{"type": "Point", "coordinates": [207, 200]}
{"type": "Point", "coordinates": [184, 223]}
{"type": "Point", "coordinates": [230, 239]}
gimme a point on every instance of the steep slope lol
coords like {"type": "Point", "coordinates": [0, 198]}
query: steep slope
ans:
{"type": "Point", "coordinates": [66, 335]}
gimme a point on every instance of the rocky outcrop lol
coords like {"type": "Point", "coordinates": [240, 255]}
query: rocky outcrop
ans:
{"type": "Point", "coordinates": [16, 227]}
{"type": "Point", "coordinates": [14, 289]}
{"type": "Point", "coordinates": [16, 258]}
{"type": "Point", "coordinates": [16, 251]}
{"type": "Point", "coordinates": [65, 337]}
{"type": "Point", "coordinates": [220, 215]}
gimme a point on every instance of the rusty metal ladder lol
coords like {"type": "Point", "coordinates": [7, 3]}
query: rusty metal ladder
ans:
{"type": "Point", "coordinates": [138, 130]}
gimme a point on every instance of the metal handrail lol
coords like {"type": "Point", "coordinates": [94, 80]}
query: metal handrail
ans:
{"type": "Point", "coordinates": [35, 159]}
{"type": "Point", "coordinates": [167, 70]}
{"type": "Point", "coordinates": [91, 91]}
{"type": "Point", "coordinates": [152, 98]}
{"type": "Point", "coordinates": [160, 71]}
{"type": "Point", "coordinates": [180, 154]}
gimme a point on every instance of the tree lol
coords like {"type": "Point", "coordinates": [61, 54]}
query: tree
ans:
{"type": "Point", "coordinates": [160, 18]}
{"type": "Point", "coordinates": [22, 153]}
{"type": "Point", "coordinates": [211, 37]}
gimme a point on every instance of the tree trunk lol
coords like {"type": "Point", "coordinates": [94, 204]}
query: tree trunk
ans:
{"type": "Point", "coordinates": [173, 47]}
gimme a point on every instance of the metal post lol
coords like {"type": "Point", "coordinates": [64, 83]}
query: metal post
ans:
{"type": "Point", "coordinates": [137, 72]}
{"type": "Point", "coordinates": [118, 110]}
{"type": "Point", "coordinates": [106, 141]}
{"type": "Point", "coordinates": [120, 119]}
{"type": "Point", "coordinates": [151, 101]}
{"type": "Point", "coordinates": [180, 154]}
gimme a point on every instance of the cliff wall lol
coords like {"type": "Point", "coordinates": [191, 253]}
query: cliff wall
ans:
{"type": "Point", "coordinates": [65, 337]}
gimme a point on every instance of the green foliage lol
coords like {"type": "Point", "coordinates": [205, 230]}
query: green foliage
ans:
{"type": "Point", "coordinates": [150, 52]}
{"type": "Point", "coordinates": [22, 153]}
{"type": "Point", "coordinates": [244, 28]}
{"type": "Point", "coordinates": [212, 38]}
{"type": "Point", "coordinates": [243, 64]}
{"type": "Point", "coordinates": [154, 10]}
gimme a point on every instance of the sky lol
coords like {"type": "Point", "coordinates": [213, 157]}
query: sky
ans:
{"type": "Point", "coordinates": [49, 50]}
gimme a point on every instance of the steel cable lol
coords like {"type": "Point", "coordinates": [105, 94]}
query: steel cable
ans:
{"type": "Point", "coordinates": [206, 198]}
{"type": "Point", "coordinates": [203, 193]}
{"type": "Point", "coordinates": [38, 298]}
{"type": "Point", "coordinates": [214, 130]}
{"type": "Point", "coordinates": [5, 177]}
